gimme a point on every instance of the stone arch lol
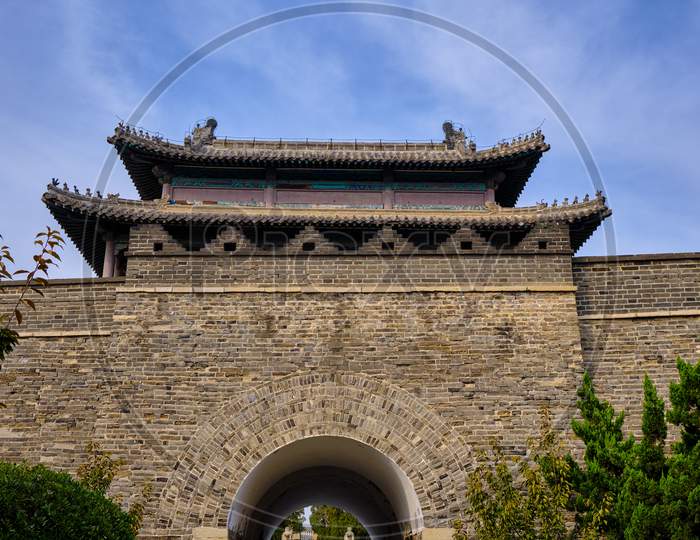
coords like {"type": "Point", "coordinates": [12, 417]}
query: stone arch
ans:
{"type": "Point", "coordinates": [331, 470]}
{"type": "Point", "coordinates": [260, 421]}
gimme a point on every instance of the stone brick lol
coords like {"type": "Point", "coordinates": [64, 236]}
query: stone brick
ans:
{"type": "Point", "coordinates": [427, 357]}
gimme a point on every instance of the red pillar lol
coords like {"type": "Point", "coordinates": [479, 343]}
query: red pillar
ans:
{"type": "Point", "coordinates": [490, 195]}
{"type": "Point", "coordinates": [388, 197]}
{"type": "Point", "coordinates": [108, 265]}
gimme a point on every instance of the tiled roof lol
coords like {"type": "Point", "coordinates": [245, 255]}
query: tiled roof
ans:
{"type": "Point", "coordinates": [387, 152]}
{"type": "Point", "coordinates": [131, 211]}
{"type": "Point", "coordinates": [81, 216]}
{"type": "Point", "coordinates": [523, 152]}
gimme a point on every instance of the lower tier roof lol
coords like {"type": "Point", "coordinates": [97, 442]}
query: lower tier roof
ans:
{"type": "Point", "coordinates": [85, 218]}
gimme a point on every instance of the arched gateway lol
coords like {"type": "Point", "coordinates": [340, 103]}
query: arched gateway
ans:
{"type": "Point", "coordinates": [336, 438]}
{"type": "Point", "coordinates": [286, 322]}
{"type": "Point", "coordinates": [327, 470]}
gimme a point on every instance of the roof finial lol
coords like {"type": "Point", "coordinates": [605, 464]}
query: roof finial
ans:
{"type": "Point", "coordinates": [454, 138]}
{"type": "Point", "coordinates": [204, 135]}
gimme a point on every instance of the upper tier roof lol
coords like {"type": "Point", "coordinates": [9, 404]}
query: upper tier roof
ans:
{"type": "Point", "coordinates": [82, 217]}
{"type": "Point", "coordinates": [512, 162]}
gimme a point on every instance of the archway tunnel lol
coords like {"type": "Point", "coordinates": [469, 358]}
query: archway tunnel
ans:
{"type": "Point", "coordinates": [336, 471]}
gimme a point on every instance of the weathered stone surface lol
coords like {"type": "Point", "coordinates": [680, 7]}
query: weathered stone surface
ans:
{"type": "Point", "coordinates": [193, 388]}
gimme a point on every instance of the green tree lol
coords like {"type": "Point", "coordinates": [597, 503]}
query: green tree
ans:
{"type": "Point", "coordinates": [650, 495]}
{"type": "Point", "coordinates": [531, 506]}
{"type": "Point", "coordinates": [49, 242]}
{"type": "Point", "coordinates": [38, 503]}
{"type": "Point", "coordinates": [624, 488]}
{"type": "Point", "coordinates": [636, 503]}
{"type": "Point", "coordinates": [295, 520]}
{"type": "Point", "coordinates": [606, 456]}
{"type": "Point", "coordinates": [685, 406]}
{"type": "Point", "coordinates": [680, 488]}
{"type": "Point", "coordinates": [330, 523]}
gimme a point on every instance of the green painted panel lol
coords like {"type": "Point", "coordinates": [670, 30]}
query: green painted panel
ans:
{"type": "Point", "coordinates": [235, 183]}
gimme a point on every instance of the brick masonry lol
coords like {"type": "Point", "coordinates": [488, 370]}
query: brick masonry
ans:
{"type": "Point", "coordinates": [638, 313]}
{"type": "Point", "coordinates": [194, 366]}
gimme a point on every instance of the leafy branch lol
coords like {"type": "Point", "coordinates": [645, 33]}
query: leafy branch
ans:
{"type": "Point", "coordinates": [49, 241]}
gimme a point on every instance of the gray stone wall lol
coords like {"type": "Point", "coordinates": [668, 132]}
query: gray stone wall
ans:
{"type": "Point", "coordinates": [371, 264]}
{"type": "Point", "coordinates": [637, 283]}
{"type": "Point", "coordinates": [637, 315]}
{"type": "Point", "coordinates": [53, 384]}
{"type": "Point", "coordinates": [195, 366]}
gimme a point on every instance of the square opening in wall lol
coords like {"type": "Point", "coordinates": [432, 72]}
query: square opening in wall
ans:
{"type": "Point", "coordinates": [229, 246]}
{"type": "Point", "coordinates": [388, 246]}
{"type": "Point", "coordinates": [542, 244]}
{"type": "Point", "coordinates": [308, 246]}
{"type": "Point", "coordinates": [465, 245]}
{"type": "Point", "coordinates": [157, 246]}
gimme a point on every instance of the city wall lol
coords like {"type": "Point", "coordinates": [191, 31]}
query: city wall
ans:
{"type": "Point", "coordinates": [195, 366]}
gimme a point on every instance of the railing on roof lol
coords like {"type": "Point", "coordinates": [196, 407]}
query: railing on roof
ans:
{"type": "Point", "coordinates": [355, 144]}
{"type": "Point", "coordinates": [330, 144]}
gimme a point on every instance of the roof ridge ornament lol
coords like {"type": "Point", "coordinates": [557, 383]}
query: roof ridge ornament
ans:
{"type": "Point", "coordinates": [455, 138]}
{"type": "Point", "coordinates": [202, 135]}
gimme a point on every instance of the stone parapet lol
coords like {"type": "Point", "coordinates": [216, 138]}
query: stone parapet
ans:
{"type": "Point", "coordinates": [637, 283]}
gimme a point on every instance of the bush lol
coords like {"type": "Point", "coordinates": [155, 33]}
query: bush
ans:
{"type": "Point", "coordinates": [531, 505]}
{"type": "Point", "coordinates": [37, 503]}
{"type": "Point", "coordinates": [625, 489]}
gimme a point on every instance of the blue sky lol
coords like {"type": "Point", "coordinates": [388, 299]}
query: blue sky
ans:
{"type": "Point", "coordinates": [627, 72]}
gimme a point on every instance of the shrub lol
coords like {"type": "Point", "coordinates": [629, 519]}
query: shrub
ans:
{"type": "Point", "coordinates": [624, 489]}
{"type": "Point", "coordinates": [531, 505]}
{"type": "Point", "coordinates": [38, 503]}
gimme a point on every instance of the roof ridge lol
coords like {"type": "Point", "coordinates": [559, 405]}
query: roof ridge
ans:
{"type": "Point", "coordinates": [534, 140]}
